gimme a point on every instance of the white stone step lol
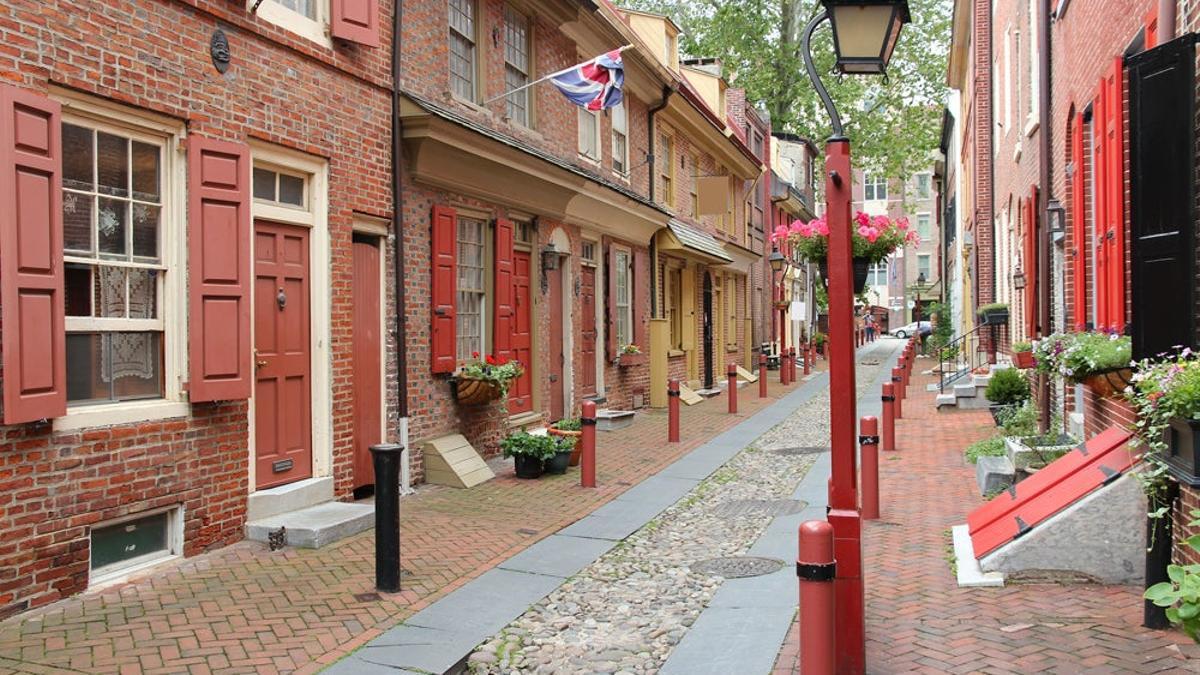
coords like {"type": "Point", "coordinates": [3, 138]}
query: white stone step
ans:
{"type": "Point", "coordinates": [316, 526]}
{"type": "Point", "coordinates": [965, 390]}
{"type": "Point", "coordinates": [291, 497]}
{"type": "Point", "coordinates": [946, 399]}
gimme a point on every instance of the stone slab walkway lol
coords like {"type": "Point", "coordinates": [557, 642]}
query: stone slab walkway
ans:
{"type": "Point", "coordinates": [919, 620]}
{"type": "Point", "coordinates": [244, 609]}
{"type": "Point", "coordinates": [439, 637]}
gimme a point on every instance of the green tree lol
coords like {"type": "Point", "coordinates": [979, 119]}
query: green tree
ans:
{"type": "Point", "coordinates": [894, 122]}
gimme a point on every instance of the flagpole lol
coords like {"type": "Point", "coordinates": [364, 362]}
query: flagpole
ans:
{"type": "Point", "coordinates": [547, 77]}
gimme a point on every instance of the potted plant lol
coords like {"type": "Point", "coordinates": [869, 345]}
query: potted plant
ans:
{"type": "Point", "coordinates": [1166, 394]}
{"type": "Point", "coordinates": [529, 452]}
{"type": "Point", "coordinates": [1100, 360]}
{"type": "Point", "coordinates": [1007, 390]}
{"type": "Point", "coordinates": [818, 340]}
{"type": "Point", "coordinates": [1022, 353]}
{"type": "Point", "coordinates": [631, 355]}
{"type": "Point", "coordinates": [572, 428]}
{"type": "Point", "coordinates": [873, 238]}
{"type": "Point", "coordinates": [995, 314]}
{"type": "Point", "coordinates": [1029, 450]}
{"type": "Point", "coordinates": [561, 447]}
{"type": "Point", "coordinates": [479, 382]}
{"type": "Point", "coordinates": [1181, 595]}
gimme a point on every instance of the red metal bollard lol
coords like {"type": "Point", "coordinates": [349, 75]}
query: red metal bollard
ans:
{"type": "Point", "coordinates": [783, 371]}
{"type": "Point", "coordinates": [587, 463]}
{"type": "Point", "coordinates": [868, 441]}
{"type": "Point", "coordinates": [815, 566]}
{"type": "Point", "coordinates": [731, 372]}
{"type": "Point", "coordinates": [889, 417]}
{"type": "Point", "coordinates": [762, 375]}
{"type": "Point", "coordinates": [903, 364]}
{"type": "Point", "coordinates": [898, 389]}
{"type": "Point", "coordinates": [807, 350]}
{"type": "Point", "coordinates": [791, 364]}
{"type": "Point", "coordinates": [673, 411]}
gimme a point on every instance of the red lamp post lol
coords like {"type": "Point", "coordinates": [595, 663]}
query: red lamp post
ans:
{"type": "Point", "coordinates": [865, 32]}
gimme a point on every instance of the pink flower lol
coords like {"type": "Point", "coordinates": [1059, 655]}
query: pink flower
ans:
{"type": "Point", "coordinates": [881, 223]}
{"type": "Point", "coordinates": [823, 228]}
{"type": "Point", "coordinates": [863, 230]}
{"type": "Point", "coordinates": [781, 232]}
{"type": "Point", "coordinates": [872, 234]}
{"type": "Point", "coordinates": [902, 223]}
{"type": "Point", "coordinates": [862, 218]}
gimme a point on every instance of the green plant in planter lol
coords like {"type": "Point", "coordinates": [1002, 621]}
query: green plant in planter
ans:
{"type": "Point", "coordinates": [1181, 595]}
{"type": "Point", "coordinates": [1022, 346]}
{"type": "Point", "coordinates": [1078, 356]}
{"type": "Point", "coordinates": [529, 445]}
{"type": "Point", "coordinates": [1164, 389]}
{"type": "Point", "coordinates": [818, 338]}
{"type": "Point", "coordinates": [569, 424]}
{"type": "Point", "coordinates": [1007, 387]}
{"type": "Point", "coordinates": [1022, 422]}
{"type": "Point", "coordinates": [988, 447]}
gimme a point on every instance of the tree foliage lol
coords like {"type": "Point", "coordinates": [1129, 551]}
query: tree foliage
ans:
{"type": "Point", "coordinates": [894, 122]}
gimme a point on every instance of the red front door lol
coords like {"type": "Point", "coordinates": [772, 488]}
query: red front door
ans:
{"type": "Point", "coordinates": [366, 358]}
{"type": "Point", "coordinates": [587, 343]}
{"type": "Point", "coordinates": [282, 403]}
{"type": "Point", "coordinates": [520, 394]}
{"type": "Point", "coordinates": [555, 351]}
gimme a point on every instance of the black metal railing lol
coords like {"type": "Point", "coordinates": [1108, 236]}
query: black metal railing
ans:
{"type": "Point", "coordinates": [961, 356]}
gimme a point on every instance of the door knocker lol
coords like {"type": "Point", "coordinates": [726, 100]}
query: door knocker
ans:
{"type": "Point", "coordinates": [281, 299]}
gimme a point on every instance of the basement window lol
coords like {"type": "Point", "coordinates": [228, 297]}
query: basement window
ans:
{"type": "Point", "coordinates": [133, 543]}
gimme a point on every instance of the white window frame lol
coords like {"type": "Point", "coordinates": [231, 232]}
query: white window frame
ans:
{"type": "Point", "coordinates": [927, 193]}
{"type": "Point", "coordinates": [928, 258]}
{"type": "Point", "coordinates": [118, 572]}
{"type": "Point", "coordinates": [1031, 120]}
{"type": "Point", "coordinates": [474, 39]}
{"type": "Point", "coordinates": [875, 271]}
{"type": "Point", "coordinates": [1008, 79]}
{"type": "Point", "coordinates": [621, 129]}
{"type": "Point", "coordinates": [623, 273]}
{"type": "Point", "coordinates": [874, 182]}
{"type": "Point", "coordinates": [482, 291]}
{"type": "Point", "coordinates": [86, 111]}
{"type": "Point", "coordinates": [315, 29]}
{"type": "Point", "coordinates": [928, 218]}
{"type": "Point", "coordinates": [585, 114]}
{"type": "Point", "coordinates": [511, 12]}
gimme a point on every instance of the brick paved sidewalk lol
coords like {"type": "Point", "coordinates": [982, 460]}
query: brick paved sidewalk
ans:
{"type": "Point", "coordinates": [245, 609]}
{"type": "Point", "coordinates": [918, 620]}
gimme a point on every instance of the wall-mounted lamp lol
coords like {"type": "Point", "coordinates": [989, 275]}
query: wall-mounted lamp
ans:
{"type": "Point", "coordinates": [1019, 280]}
{"type": "Point", "coordinates": [777, 261]}
{"type": "Point", "coordinates": [550, 256]}
{"type": "Point", "coordinates": [1056, 219]}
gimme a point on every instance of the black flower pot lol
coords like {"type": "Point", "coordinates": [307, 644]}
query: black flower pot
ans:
{"type": "Point", "coordinates": [557, 465]}
{"type": "Point", "coordinates": [861, 267]}
{"type": "Point", "coordinates": [527, 466]}
{"type": "Point", "coordinates": [1183, 450]}
{"type": "Point", "coordinates": [1001, 413]}
{"type": "Point", "coordinates": [994, 317]}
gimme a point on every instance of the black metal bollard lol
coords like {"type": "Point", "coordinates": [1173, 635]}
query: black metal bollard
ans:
{"type": "Point", "coordinates": [386, 458]}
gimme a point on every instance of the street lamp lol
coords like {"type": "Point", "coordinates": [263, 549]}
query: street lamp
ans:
{"type": "Point", "coordinates": [777, 261]}
{"type": "Point", "coordinates": [865, 33]}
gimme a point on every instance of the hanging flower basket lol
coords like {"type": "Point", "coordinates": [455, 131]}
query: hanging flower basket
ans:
{"type": "Point", "coordinates": [861, 267]}
{"type": "Point", "coordinates": [1023, 360]}
{"type": "Point", "coordinates": [1110, 382]}
{"type": "Point", "coordinates": [470, 391]}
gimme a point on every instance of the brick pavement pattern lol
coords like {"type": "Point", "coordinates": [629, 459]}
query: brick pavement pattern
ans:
{"type": "Point", "coordinates": [918, 620]}
{"type": "Point", "coordinates": [244, 609]}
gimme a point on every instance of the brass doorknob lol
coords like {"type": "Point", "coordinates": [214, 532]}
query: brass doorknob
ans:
{"type": "Point", "coordinates": [260, 364]}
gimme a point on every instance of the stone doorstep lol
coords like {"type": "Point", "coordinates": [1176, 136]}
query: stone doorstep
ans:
{"type": "Point", "coordinates": [994, 473]}
{"type": "Point", "coordinates": [291, 497]}
{"type": "Point", "coordinates": [316, 526]}
{"type": "Point", "coordinates": [968, 571]}
{"type": "Point", "coordinates": [612, 420]}
{"type": "Point", "coordinates": [946, 400]}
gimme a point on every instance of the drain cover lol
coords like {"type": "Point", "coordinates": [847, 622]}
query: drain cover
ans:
{"type": "Point", "coordinates": [758, 507]}
{"type": "Point", "coordinates": [736, 567]}
{"type": "Point", "coordinates": [800, 451]}
{"type": "Point", "coordinates": [869, 362]}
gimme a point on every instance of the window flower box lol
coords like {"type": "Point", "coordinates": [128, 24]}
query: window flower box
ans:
{"type": "Point", "coordinates": [471, 391]}
{"type": "Point", "coordinates": [631, 359]}
{"type": "Point", "coordinates": [1182, 455]}
{"type": "Point", "coordinates": [993, 315]}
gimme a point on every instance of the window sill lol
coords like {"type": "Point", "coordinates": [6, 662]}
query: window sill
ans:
{"type": "Point", "coordinates": [588, 159]}
{"type": "Point", "coordinates": [672, 353]}
{"type": "Point", "coordinates": [112, 414]}
{"type": "Point", "coordinates": [1031, 126]}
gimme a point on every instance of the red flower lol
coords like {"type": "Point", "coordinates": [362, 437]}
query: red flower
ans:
{"type": "Point", "coordinates": [474, 355]}
{"type": "Point", "coordinates": [491, 360]}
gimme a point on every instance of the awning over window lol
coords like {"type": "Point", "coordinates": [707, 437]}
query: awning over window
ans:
{"type": "Point", "coordinates": [693, 242]}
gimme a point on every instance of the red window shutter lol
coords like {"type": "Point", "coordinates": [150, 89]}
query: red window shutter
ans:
{"type": "Point", "coordinates": [640, 298]}
{"type": "Point", "coordinates": [444, 285]}
{"type": "Point", "coordinates": [31, 257]}
{"type": "Point", "coordinates": [1031, 266]}
{"type": "Point", "coordinates": [1115, 188]}
{"type": "Point", "coordinates": [219, 347]}
{"type": "Point", "coordinates": [610, 301]}
{"type": "Point", "coordinates": [502, 327]}
{"type": "Point", "coordinates": [1151, 21]}
{"type": "Point", "coordinates": [1079, 225]}
{"type": "Point", "coordinates": [1100, 205]}
{"type": "Point", "coordinates": [356, 21]}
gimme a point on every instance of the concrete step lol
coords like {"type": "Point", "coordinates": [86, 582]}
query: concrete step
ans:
{"type": "Point", "coordinates": [291, 497]}
{"type": "Point", "coordinates": [947, 399]}
{"type": "Point", "coordinates": [315, 526]}
{"type": "Point", "coordinates": [965, 390]}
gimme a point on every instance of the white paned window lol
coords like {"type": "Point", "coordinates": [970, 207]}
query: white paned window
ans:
{"type": "Point", "coordinates": [874, 187]}
{"type": "Point", "coordinates": [589, 134]}
{"type": "Point", "coordinates": [924, 266]}
{"type": "Point", "coordinates": [113, 212]}
{"type": "Point", "coordinates": [924, 186]}
{"type": "Point", "coordinates": [306, 18]}
{"type": "Point", "coordinates": [276, 187]}
{"type": "Point", "coordinates": [624, 300]}
{"type": "Point", "coordinates": [674, 302]}
{"type": "Point", "coordinates": [1032, 64]}
{"type": "Point", "coordinates": [462, 48]}
{"type": "Point", "coordinates": [877, 274]}
{"type": "Point", "coordinates": [472, 290]}
{"type": "Point", "coordinates": [516, 65]}
{"type": "Point", "coordinates": [620, 140]}
{"type": "Point", "coordinates": [924, 227]}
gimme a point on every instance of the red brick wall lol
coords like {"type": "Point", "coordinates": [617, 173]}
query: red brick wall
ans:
{"type": "Point", "coordinates": [981, 220]}
{"type": "Point", "coordinates": [153, 55]}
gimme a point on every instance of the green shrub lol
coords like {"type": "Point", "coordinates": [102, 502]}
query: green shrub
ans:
{"type": "Point", "coordinates": [522, 443]}
{"type": "Point", "coordinates": [1008, 386]}
{"type": "Point", "coordinates": [1022, 346]}
{"type": "Point", "coordinates": [989, 447]}
{"type": "Point", "coordinates": [1022, 422]}
{"type": "Point", "coordinates": [569, 424]}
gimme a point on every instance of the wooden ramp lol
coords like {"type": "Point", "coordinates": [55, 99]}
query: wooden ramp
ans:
{"type": "Point", "coordinates": [746, 375]}
{"type": "Point", "coordinates": [688, 395]}
{"type": "Point", "coordinates": [450, 460]}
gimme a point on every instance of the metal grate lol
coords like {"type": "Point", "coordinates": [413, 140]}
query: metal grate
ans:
{"type": "Point", "coordinates": [737, 567]}
{"type": "Point", "coordinates": [740, 508]}
{"type": "Point", "coordinates": [801, 451]}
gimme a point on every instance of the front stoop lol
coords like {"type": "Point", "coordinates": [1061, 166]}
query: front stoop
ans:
{"type": "Point", "coordinates": [315, 526]}
{"type": "Point", "coordinates": [291, 497]}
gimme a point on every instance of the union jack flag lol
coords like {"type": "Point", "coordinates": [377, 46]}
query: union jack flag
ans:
{"type": "Point", "coordinates": [595, 84]}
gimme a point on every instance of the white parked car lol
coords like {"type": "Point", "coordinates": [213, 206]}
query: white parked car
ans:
{"type": "Point", "coordinates": [911, 329]}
